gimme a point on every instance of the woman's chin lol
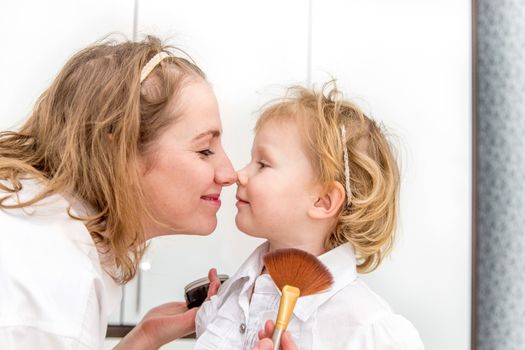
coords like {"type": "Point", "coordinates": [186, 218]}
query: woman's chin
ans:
{"type": "Point", "coordinates": [207, 229]}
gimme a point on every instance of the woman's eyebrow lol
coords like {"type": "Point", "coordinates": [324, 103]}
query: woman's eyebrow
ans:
{"type": "Point", "coordinates": [213, 133]}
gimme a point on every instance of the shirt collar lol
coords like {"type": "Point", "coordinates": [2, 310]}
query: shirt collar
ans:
{"type": "Point", "coordinates": [252, 267]}
{"type": "Point", "coordinates": [341, 262]}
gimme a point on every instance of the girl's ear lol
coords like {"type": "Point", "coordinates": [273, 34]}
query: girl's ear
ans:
{"type": "Point", "coordinates": [329, 204]}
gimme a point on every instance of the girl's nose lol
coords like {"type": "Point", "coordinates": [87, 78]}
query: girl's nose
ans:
{"type": "Point", "coordinates": [242, 177]}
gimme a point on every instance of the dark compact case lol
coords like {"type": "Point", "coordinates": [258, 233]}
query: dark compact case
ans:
{"type": "Point", "coordinates": [196, 292]}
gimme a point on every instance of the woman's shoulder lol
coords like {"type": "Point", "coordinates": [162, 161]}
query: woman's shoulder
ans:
{"type": "Point", "coordinates": [42, 239]}
{"type": "Point", "coordinates": [49, 268]}
{"type": "Point", "coordinates": [44, 226]}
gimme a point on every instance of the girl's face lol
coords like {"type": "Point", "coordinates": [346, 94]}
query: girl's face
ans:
{"type": "Point", "coordinates": [187, 168]}
{"type": "Point", "coordinates": [276, 189]}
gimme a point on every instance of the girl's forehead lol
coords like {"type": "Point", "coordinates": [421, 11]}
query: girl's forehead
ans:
{"type": "Point", "coordinates": [279, 126]}
{"type": "Point", "coordinates": [278, 138]}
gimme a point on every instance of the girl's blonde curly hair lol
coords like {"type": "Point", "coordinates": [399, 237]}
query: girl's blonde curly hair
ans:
{"type": "Point", "coordinates": [369, 221]}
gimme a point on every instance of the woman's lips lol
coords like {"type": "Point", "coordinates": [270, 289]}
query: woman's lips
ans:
{"type": "Point", "coordinates": [213, 199]}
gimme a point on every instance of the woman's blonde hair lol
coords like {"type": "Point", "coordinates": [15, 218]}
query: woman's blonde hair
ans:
{"type": "Point", "coordinates": [369, 222]}
{"type": "Point", "coordinates": [86, 133]}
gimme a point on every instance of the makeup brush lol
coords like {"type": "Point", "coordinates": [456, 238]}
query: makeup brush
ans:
{"type": "Point", "coordinates": [296, 273]}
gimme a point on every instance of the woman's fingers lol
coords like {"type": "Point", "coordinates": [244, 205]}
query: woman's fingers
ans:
{"type": "Point", "coordinates": [215, 283]}
{"type": "Point", "coordinates": [212, 275]}
{"type": "Point", "coordinates": [175, 307]}
{"type": "Point", "coordinates": [157, 329]}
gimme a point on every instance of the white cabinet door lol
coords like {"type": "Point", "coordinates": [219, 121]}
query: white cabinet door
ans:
{"type": "Point", "coordinates": [37, 39]}
{"type": "Point", "coordinates": [249, 51]}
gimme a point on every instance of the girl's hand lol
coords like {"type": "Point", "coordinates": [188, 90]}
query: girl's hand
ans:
{"type": "Point", "coordinates": [160, 326]}
{"type": "Point", "coordinates": [265, 342]}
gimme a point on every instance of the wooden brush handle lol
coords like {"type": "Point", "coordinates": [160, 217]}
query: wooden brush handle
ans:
{"type": "Point", "coordinates": [276, 338]}
{"type": "Point", "coordinates": [288, 299]}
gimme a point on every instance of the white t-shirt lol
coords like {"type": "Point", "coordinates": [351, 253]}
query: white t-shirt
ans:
{"type": "Point", "coordinates": [53, 291]}
{"type": "Point", "coordinates": [348, 316]}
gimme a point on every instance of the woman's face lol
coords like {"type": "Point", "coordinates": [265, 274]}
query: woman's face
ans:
{"type": "Point", "coordinates": [184, 173]}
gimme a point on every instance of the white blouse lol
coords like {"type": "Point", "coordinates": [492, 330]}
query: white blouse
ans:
{"type": "Point", "coordinates": [53, 291]}
{"type": "Point", "coordinates": [348, 316]}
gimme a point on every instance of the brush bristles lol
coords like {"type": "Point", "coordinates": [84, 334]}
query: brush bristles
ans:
{"type": "Point", "coordinates": [298, 268]}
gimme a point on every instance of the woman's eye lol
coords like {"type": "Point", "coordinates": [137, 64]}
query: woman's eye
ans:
{"type": "Point", "coordinates": [207, 152]}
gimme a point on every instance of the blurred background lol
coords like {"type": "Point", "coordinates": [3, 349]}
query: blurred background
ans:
{"type": "Point", "coordinates": [408, 63]}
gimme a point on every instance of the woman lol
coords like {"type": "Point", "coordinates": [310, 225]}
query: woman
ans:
{"type": "Point", "coordinates": [124, 146]}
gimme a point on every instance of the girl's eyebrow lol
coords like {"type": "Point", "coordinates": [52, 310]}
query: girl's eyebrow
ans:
{"type": "Point", "coordinates": [264, 151]}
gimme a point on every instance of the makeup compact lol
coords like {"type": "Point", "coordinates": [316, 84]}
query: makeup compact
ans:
{"type": "Point", "coordinates": [196, 292]}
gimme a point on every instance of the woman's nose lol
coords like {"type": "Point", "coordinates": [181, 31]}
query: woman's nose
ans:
{"type": "Point", "coordinates": [225, 175]}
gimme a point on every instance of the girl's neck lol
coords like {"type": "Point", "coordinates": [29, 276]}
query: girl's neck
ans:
{"type": "Point", "coordinates": [314, 248]}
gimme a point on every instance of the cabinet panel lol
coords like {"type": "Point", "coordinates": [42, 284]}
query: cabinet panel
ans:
{"type": "Point", "coordinates": [250, 51]}
{"type": "Point", "coordinates": [39, 37]}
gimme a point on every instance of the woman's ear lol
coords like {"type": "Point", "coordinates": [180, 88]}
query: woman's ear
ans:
{"type": "Point", "coordinates": [329, 204]}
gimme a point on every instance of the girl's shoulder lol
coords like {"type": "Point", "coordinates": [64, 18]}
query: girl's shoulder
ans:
{"type": "Point", "coordinates": [360, 313]}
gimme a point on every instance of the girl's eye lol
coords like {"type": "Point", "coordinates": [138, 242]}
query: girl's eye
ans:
{"type": "Point", "coordinates": [207, 152]}
{"type": "Point", "coordinates": [262, 165]}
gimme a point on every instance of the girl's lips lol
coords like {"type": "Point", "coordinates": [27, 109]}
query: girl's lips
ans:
{"type": "Point", "coordinates": [213, 199]}
{"type": "Point", "coordinates": [241, 201]}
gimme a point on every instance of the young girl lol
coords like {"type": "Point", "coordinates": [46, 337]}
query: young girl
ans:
{"type": "Point", "coordinates": [322, 179]}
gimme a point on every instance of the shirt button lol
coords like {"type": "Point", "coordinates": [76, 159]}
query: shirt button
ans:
{"type": "Point", "coordinates": [242, 328]}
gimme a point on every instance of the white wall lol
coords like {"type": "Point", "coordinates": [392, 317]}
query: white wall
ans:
{"type": "Point", "coordinates": [407, 62]}
{"type": "Point", "coordinates": [37, 39]}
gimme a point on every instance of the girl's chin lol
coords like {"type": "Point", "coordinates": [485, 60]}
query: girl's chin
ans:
{"type": "Point", "coordinates": [252, 233]}
{"type": "Point", "coordinates": [251, 229]}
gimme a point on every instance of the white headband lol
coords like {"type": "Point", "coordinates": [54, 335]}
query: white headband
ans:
{"type": "Point", "coordinates": [152, 63]}
{"type": "Point", "coordinates": [347, 167]}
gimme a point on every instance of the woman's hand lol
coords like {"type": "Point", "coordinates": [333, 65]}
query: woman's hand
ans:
{"type": "Point", "coordinates": [265, 342]}
{"type": "Point", "coordinates": [215, 283]}
{"type": "Point", "coordinates": [166, 323]}
{"type": "Point", "coordinates": [160, 326]}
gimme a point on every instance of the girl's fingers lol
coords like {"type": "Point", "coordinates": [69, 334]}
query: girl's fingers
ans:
{"type": "Point", "coordinates": [265, 344]}
{"type": "Point", "coordinates": [268, 328]}
{"type": "Point", "coordinates": [287, 342]}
